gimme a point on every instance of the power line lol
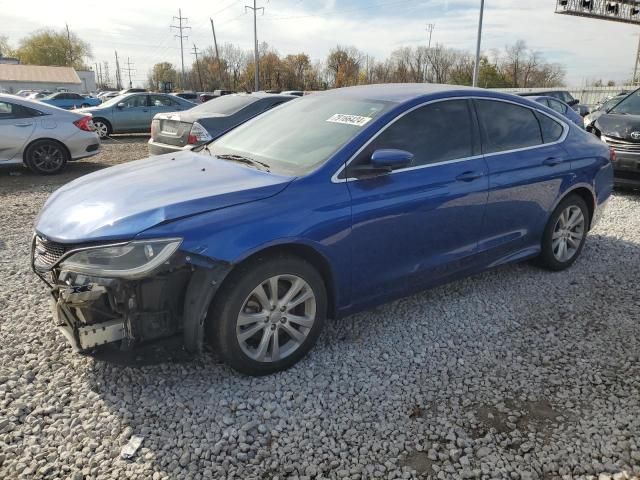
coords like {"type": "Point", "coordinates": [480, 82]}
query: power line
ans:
{"type": "Point", "coordinates": [182, 37]}
{"type": "Point", "coordinates": [255, 39]}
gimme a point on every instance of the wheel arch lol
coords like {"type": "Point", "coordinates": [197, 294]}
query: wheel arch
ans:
{"type": "Point", "coordinates": [309, 254]}
{"type": "Point", "coordinates": [586, 193]}
{"type": "Point", "coordinates": [39, 139]}
{"type": "Point", "coordinates": [102, 119]}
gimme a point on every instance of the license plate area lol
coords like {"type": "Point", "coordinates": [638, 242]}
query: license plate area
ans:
{"type": "Point", "coordinates": [169, 127]}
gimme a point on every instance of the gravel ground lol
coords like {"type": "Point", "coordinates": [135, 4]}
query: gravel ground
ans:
{"type": "Point", "coordinates": [516, 373]}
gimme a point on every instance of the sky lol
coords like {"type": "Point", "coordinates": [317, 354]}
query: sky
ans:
{"type": "Point", "coordinates": [140, 30]}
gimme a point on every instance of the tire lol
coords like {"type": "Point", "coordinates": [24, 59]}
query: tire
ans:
{"type": "Point", "coordinates": [568, 226]}
{"type": "Point", "coordinates": [238, 340]}
{"type": "Point", "coordinates": [46, 157]}
{"type": "Point", "coordinates": [103, 128]}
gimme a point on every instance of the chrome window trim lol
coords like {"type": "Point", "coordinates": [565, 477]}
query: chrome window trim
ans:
{"type": "Point", "coordinates": [565, 127]}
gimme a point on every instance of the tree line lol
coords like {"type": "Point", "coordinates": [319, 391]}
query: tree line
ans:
{"type": "Point", "coordinates": [516, 65]}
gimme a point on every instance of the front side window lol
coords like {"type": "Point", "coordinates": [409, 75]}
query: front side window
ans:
{"type": "Point", "coordinates": [301, 134]}
{"type": "Point", "coordinates": [507, 126]}
{"type": "Point", "coordinates": [435, 133]}
{"type": "Point", "coordinates": [136, 101]}
{"type": "Point", "coordinates": [628, 106]}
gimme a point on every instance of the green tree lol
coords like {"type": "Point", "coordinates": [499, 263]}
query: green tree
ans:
{"type": "Point", "coordinates": [160, 73]}
{"type": "Point", "coordinates": [50, 47]}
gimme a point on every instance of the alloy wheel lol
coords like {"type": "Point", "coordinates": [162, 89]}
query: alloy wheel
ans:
{"type": "Point", "coordinates": [48, 158]}
{"type": "Point", "coordinates": [276, 318]}
{"type": "Point", "coordinates": [568, 233]}
{"type": "Point", "coordinates": [101, 129]}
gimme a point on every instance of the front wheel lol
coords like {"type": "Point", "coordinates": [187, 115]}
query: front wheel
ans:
{"type": "Point", "coordinates": [565, 234]}
{"type": "Point", "coordinates": [268, 314]}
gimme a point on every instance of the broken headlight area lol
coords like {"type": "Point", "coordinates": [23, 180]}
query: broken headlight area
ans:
{"type": "Point", "coordinates": [127, 293]}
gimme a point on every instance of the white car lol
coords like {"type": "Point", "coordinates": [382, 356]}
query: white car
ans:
{"type": "Point", "coordinates": [43, 137]}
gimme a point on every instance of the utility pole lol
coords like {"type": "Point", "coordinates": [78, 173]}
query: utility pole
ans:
{"type": "Point", "coordinates": [430, 28]}
{"type": "Point", "coordinates": [195, 52]}
{"type": "Point", "coordinates": [129, 69]}
{"type": "Point", "coordinates": [255, 40]}
{"type": "Point", "coordinates": [100, 74]}
{"type": "Point", "coordinates": [107, 78]}
{"type": "Point", "coordinates": [476, 68]}
{"type": "Point", "coordinates": [70, 46]}
{"type": "Point", "coordinates": [118, 74]}
{"type": "Point", "coordinates": [634, 81]}
{"type": "Point", "coordinates": [182, 37]}
{"type": "Point", "coordinates": [215, 45]}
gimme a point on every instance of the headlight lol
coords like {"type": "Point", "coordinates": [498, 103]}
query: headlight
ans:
{"type": "Point", "coordinates": [130, 260]}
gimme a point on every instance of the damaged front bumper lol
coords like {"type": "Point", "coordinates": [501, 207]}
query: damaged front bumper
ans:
{"type": "Point", "coordinates": [91, 311]}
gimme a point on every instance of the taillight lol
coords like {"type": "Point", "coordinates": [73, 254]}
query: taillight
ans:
{"type": "Point", "coordinates": [85, 123]}
{"type": "Point", "coordinates": [198, 134]}
{"type": "Point", "coordinates": [612, 155]}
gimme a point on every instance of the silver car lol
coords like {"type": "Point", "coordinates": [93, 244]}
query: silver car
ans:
{"type": "Point", "coordinates": [43, 137]}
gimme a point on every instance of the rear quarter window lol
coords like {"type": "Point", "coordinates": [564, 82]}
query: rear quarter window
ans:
{"type": "Point", "coordinates": [507, 126]}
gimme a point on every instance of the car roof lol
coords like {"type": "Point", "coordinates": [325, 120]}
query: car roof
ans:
{"type": "Point", "coordinates": [41, 106]}
{"type": "Point", "coordinates": [540, 97]}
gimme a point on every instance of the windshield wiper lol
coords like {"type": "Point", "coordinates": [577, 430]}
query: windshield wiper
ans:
{"type": "Point", "coordinates": [246, 160]}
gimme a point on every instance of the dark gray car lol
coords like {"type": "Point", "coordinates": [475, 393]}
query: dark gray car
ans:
{"type": "Point", "coordinates": [171, 132]}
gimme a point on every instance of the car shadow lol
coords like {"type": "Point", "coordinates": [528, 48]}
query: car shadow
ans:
{"type": "Point", "coordinates": [204, 390]}
{"type": "Point", "coordinates": [17, 178]}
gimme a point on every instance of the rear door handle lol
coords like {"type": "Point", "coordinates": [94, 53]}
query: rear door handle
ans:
{"type": "Point", "coordinates": [469, 176]}
{"type": "Point", "coordinates": [552, 161]}
{"type": "Point", "coordinates": [23, 124]}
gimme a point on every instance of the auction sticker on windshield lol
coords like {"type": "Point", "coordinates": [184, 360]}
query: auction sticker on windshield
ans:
{"type": "Point", "coordinates": [356, 120]}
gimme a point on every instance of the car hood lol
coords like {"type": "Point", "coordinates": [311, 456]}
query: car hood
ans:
{"type": "Point", "coordinates": [619, 126]}
{"type": "Point", "coordinates": [119, 202]}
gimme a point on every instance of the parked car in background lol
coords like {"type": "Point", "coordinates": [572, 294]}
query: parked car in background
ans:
{"type": "Point", "coordinates": [562, 95]}
{"type": "Point", "coordinates": [297, 93]}
{"type": "Point", "coordinates": [70, 100]}
{"type": "Point", "coordinates": [618, 125]}
{"type": "Point", "coordinates": [104, 96]}
{"type": "Point", "coordinates": [132, 90]}
{"type": "Point", "coordinates": [38, 95]}
{"type": "Point", "coordinates": [43, 137]}
{"type": "Point", "coordinates": [560, 107]}
{"type": "Point", "coordinates": [175, 131]}
{"type": "Point", "coordinates": [322, 207]}
{"type": "Point", "coordinates": [25, 93]}
{"type": "Point", "coordinates": [193, 97]}
{"type": "Point", "coordinates": [206, 96]}
{"type": "Point", "coordinates": [132, 112]}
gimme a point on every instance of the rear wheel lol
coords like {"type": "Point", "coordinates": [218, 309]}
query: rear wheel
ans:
{"type": "Point", "coordinates": [268, 314]}
{"type": "Point", "coordinates": [103, 129]}
{"type": "Point", "coordinates": [46, 157]}
{"type": "Point", "coordinates": [565, 234]}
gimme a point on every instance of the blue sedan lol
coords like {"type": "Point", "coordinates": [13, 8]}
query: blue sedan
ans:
{"type": "Point", "coordinates": [322, 207]}
{"type": "Point", "coordinates": [69, 100]}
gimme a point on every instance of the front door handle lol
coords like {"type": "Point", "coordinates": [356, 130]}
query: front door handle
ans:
{"type": "Point", "coordinates": [23, 124]}
{"type": "Point", "coordinates": [469, 176]}
{"type": "Point", "coordinates": [552, 161]}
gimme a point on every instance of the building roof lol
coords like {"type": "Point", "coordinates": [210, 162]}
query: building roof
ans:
{"type": "Point", "coordinates": [38, 73]}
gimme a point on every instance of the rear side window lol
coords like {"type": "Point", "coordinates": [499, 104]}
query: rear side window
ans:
{"type": "Point", "coordinates": [226, 105]}
{"type": "Point", "coordinates": [558, 106]}
{"type": "Point", "coordinates": [551, 130]}
{"type": "Point", "coordinates": [12, 111]}
{"type": "Point", "coordinates": [507, 126]}
{"type": "Point", "coordinates": [434, 133]}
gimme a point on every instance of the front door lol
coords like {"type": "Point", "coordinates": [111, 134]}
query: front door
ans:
{"type": "Point", "coordinates": [132, 114]}
{"type": "Point", "coordinates": [418, 225]}
{"type": "Point", "coordinates": [16, 127]}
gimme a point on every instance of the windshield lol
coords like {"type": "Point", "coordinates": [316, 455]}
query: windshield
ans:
{"type": "Point", "coordinates": [225, 105]}
{"type": "Point", "coordinates": [629, 106]}
{"type": "Point", "coordinates": [301, 134]}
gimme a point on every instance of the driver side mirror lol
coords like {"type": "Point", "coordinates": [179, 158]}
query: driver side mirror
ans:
{"type": "Point", "coordinates": [120, 106]}
{"type": "Point", "coordinates": [573, 102]}
{"type": "Point", "coordinates": [382, 162]}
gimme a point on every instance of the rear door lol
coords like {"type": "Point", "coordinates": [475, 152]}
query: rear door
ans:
{"type": "Point", "coordinates": [418, 225]}
{"type": "Point", "coordinates": [527, 167]}
{"type": "Point", "coordinates": [17, 124]}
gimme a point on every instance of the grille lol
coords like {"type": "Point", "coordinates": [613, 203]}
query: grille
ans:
{"type": "Point", "coordinates": [46, 253]}
{"type": "Point", "coordinates": [622, 145]}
